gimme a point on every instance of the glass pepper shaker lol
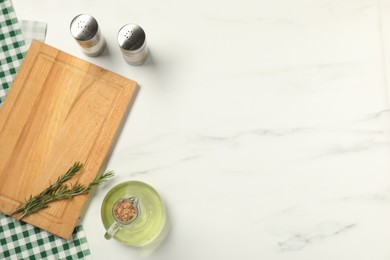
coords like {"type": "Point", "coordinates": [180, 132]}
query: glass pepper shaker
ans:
{"type": "Point", "coordinates": [132, 42]}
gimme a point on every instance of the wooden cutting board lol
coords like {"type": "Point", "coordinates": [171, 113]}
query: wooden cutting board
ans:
{"type": "Point", "coordinates": [60, 110]}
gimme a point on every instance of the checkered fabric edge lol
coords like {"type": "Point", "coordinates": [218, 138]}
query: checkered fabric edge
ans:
{"type": "Point", "coordinates": [19, 240]}
{"type": "Point", "coordinates": [33, 30]}
{"type": "Point", "coordinates": [12, 47]}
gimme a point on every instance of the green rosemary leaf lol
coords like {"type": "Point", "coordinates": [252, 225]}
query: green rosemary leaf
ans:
{"type": "Point", "coordinates": [101, 178]}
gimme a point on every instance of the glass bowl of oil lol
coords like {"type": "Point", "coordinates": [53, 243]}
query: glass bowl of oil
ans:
{"type": "Point", "coordinates": [151, 215]}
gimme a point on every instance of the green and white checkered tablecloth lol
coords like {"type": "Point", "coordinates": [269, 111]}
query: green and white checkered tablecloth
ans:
{"type": "Point", "coordinates": [12, 47]}
{"type": "Point", "coordinates": [19, 240]}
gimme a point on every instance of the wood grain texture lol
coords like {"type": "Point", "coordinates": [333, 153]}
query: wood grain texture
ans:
{"type": "Point", "coordinates": [60, 110]}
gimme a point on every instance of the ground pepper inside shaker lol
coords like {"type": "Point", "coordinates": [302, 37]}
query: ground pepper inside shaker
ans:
{"type": "Point", "coordinates": [132, 42]}
{"type": "Point", "coordinates": [85, 30]}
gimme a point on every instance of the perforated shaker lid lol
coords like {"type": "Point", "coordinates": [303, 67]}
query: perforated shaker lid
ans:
{"type": "Point", "coordinates": [131, 37]}
{"type": "Point", "coordinates": [84, 27]}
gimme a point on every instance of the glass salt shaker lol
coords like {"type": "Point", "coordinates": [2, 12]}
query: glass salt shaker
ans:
{"type": "Point", "coordinates": [85, 30]}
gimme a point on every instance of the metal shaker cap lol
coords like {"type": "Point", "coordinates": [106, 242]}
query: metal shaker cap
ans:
{"type": "Point", "coordinates": [85, 30]}
{"type": "Point", "coordinates": [132, 42]}
{"type": "Point", "coordinates": [131, 37]}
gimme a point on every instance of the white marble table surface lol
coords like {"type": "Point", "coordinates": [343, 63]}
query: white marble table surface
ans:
{"type": "Point", "coordinates": [264, 125]}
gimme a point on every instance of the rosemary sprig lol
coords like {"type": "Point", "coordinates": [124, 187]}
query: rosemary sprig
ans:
{"type": "Point", "coordinates": [59, 191]}
{"type": "Point", "coordinates": [53, 187]}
